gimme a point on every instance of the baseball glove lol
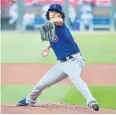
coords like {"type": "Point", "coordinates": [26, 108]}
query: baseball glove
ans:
{"type": "Point", "coordinates": [47, 31]}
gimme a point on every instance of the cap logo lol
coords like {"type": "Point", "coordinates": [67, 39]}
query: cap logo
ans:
{"type": "Point", "coordinates": [54, 6]}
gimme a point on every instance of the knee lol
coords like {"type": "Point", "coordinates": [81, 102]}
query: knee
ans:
{"type": "Point", "coordinates": [76, 81]}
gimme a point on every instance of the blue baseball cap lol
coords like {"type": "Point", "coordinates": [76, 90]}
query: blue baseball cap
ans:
{"type": "Point", "coordinates": [56, 7]}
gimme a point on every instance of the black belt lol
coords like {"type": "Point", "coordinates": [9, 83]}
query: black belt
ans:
{"type": "Point", "coordinates": [66, 58]}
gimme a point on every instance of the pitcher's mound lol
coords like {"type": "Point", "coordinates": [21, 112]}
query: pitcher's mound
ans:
{"type": "Point", "coordinates": [51, 108]}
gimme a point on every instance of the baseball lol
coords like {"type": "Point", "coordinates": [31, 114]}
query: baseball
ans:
{"type": "Point", "coordinates": [45, 54]}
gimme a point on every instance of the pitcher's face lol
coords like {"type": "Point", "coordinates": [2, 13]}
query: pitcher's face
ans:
{"type": "Point", "coordinates": [54, 14]}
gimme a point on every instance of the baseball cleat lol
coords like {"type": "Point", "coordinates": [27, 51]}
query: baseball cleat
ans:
{"type": "Point", "coordinates": [94, 105]}
{"type": "Point", "coordinates": [22, 102]}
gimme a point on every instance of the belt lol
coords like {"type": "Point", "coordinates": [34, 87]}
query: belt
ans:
{"type": "Point", "coordinates": [66, 58]}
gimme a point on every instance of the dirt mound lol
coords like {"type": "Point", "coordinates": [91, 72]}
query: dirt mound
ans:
{"type": "Point", "coordinates": [51, 108]}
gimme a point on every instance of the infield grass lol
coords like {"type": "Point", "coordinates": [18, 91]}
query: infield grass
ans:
{"type": "Point", "coordinates": [26, 47]}
{"type": "Point", "coordinates": [106, 95]}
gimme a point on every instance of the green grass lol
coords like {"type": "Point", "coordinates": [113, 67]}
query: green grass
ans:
{"type": "Point", "coordinates": [26, 47]}
{"type": "Point", "coordinates": [106, 95]}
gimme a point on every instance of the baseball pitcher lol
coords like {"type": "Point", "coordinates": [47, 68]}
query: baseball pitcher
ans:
{"type": "Point", "coordinates": [70, 61]}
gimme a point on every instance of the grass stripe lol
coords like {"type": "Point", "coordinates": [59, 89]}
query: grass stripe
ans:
{"type": "Point", "coordinates": [26, 47]}
{"type": "Point", "coordinates": [106, 95]}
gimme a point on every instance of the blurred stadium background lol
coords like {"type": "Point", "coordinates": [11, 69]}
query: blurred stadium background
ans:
{"type": "Point", "coordinates": [82, 15]}
{"type": "Point", "coordinates": [93, 23]}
